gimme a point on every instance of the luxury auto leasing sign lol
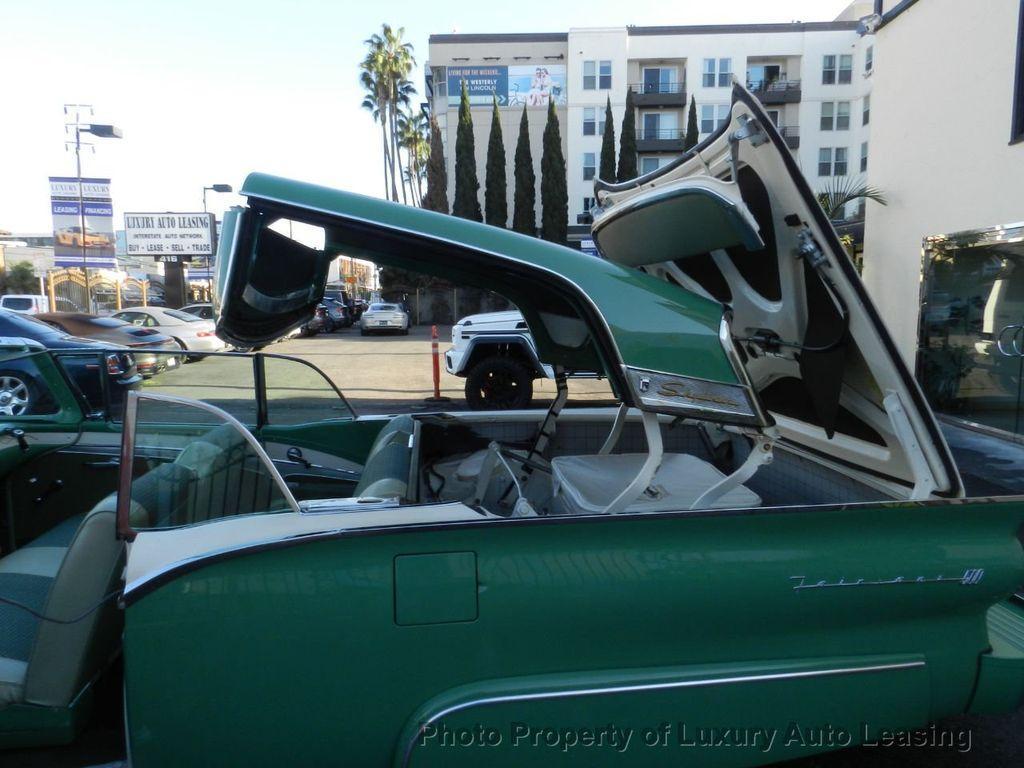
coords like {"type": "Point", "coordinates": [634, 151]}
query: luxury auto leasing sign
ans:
{"type": "Point", "coordinates": [168, 236]}
{"type": "Point", "coordinates": [534, 85]}
{"type": "Point", "coordinates": [83, 222]}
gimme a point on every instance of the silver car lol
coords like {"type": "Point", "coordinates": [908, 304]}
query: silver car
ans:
{"type": "Point", "coordinates": [382, 317]}
{"type": "Point", "coordinates": [191, 333]}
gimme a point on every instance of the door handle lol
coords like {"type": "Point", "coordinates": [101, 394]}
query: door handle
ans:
{"type": "Point", "coordinates": [103, 464]}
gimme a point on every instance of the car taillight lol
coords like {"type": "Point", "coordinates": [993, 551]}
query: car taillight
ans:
{"type": "Point", "coordinates": [204, 334]}
{"type": "Point", "coordinates": [114, 365]}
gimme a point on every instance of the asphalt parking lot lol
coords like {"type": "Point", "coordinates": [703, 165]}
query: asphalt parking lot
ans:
{"type": "Point", "coordinates": [393, 373]}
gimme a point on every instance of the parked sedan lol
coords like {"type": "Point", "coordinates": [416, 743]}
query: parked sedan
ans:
{"type": "Point", "coordinates": [114, 331]}
{"type": "Point", "coordinates": [22, 395]}
{"type": "Point", "coordinates": [384, 317]}
{"type": "Point", "coordinates": [188, 331]}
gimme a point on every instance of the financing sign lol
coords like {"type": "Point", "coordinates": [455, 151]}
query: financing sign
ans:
{"type": "Point", "coordinates": [172, 237]}
{"type": "Point", "coordinates": [83, 222]}
{"type": "Point", "coordinates": [533, 85]}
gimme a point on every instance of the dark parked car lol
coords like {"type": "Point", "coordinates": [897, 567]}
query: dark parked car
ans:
{"type": "Point", "coordinates": [338, 314]}
{"type": "Point", "coordinates": [113, 331]}
{"type": "Point", "coordinates": [82, 359]}
{"type": "Point", "coordinates": [318, 323]}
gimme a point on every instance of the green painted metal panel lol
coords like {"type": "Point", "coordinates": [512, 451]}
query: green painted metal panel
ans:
{"type": "Point", "coordinates": [435, 588]}
{"type": "Point", "coordinates": [1001, 674]}
{"type": "Point", "coordinates": [299, 658]}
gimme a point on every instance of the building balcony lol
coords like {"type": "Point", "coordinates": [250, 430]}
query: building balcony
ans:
{"type": "Point", "coordinates": [791, 134]}
{"type": "Point", "coordinates": [776, 91]}
{"type": "Point", "coordinates": [660, 140]}
{"type": "Point", "coordinates": [659, 94]}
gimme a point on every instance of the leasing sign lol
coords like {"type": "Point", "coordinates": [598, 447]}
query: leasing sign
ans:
{"type": "Point", "coordinates": [169, 236]}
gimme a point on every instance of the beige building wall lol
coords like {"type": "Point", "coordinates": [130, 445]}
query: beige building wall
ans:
{"type": "Point", "coordinates": [466, 52]}
{"type": "Point", "coordinates": [940, 151]}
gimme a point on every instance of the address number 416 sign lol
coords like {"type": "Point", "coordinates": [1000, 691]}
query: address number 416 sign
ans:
{"type": "Point", "coordinates": [181, 235]}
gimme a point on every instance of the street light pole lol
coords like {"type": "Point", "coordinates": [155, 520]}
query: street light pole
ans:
{"type": "Point", "coordinates": [100, 131]}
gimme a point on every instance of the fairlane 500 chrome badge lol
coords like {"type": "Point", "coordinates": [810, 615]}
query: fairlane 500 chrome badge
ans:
{"type": "Point", "coordinates": [969, 577]}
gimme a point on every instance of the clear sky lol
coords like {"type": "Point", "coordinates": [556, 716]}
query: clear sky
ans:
{"type": "Point", "coordinates": [208, 90]}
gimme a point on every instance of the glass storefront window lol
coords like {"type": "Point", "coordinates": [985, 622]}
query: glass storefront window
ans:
{"type": "Point", "coordinates": [971, 335]}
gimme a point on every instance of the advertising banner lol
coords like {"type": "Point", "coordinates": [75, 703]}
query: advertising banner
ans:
{"type": "Point", "coordinates": [534, 85]}
{"type": "Point", "coordinates": [74, 246]}
{"type": "Point", "coordinates": [169, 237]}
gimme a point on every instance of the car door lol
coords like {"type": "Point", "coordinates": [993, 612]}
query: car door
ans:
{"type": "Point", "coordinates": [56, 464]}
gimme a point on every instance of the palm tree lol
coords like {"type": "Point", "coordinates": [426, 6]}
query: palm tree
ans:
{"type": "Point", "coordinates": [414, 138]}
{"type": "Point", "coordinates": [385, 77]}
{"type": "Point", "coordinates": [841, 190]}
{"type": "Point", "coordinates": [372, 104]}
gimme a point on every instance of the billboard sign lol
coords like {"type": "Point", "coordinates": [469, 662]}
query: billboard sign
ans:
{"type": "Point", "coordinates": [533, 85]}
{"type": "Point", "coordinates": [74, 245]}
{"type": "Point", "coordinates": [169, 237]}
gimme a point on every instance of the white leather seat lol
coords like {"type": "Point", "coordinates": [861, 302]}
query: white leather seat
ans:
{"type": "Point", "coordinates": [587, 485]}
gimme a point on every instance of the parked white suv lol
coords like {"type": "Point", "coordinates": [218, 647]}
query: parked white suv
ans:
{"type": "Point", "coordinates": [496, 355]}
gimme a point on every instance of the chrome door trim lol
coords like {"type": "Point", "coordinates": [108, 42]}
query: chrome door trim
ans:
{"type": "Point", "coordinates": [639, 687]}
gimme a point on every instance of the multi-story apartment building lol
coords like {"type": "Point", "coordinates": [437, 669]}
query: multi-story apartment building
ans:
{"type": "Point", "coordinates": [814, 78]}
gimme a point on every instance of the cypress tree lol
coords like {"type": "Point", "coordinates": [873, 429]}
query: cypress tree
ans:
{"type": "Point", "coordinates": [692, 132]}
{"type": "Point", "coordinates": [436, 198]}
{"type": "Point", "coordinates": [467, 204]}
{"type": "Point", "coordinates": [524, 215]}
{"type": "Point", "coordinates": [554, 195]}
{"type": "Point", "coordinates": [495, 193]}
{"type": "Point", "coordinates": [627, 141]}
{"type": "Point", "coordinates": [608, 145]}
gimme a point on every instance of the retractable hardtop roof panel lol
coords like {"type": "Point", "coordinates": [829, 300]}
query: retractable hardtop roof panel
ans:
{"type": "Point", "coordinates": [664, 348]}
{"type": "Point", "coordinates": [734, 220]}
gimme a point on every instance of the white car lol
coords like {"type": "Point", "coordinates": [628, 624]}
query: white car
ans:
{"type": "Point", "coordinates": [384, 317]}
{"type": "Point", "coordinates": [192, 333]}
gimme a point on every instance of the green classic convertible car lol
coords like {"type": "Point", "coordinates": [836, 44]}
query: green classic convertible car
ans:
{"type": "Point", "coordinates": [764, 551]}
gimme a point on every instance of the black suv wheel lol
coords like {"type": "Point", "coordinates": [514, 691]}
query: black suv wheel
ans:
{"type": "Point", "coordinates": [499, 384]}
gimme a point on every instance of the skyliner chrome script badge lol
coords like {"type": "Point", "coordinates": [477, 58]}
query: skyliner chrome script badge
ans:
{"type": "Point", "coordinates": [969, 577]}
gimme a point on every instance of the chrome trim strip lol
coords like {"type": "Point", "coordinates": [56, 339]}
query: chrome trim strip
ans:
{"type": "Point", "coordinates": [674, 684]}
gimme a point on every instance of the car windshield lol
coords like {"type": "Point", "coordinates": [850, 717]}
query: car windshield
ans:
{"type": "Point", "coordinates": [13, 324]}
{"type": "Point", "coordinates": [182, 316]}
{"type": "Point", "coordinates": [383, 308]}
{"type": "Point", "coordinates": [12, 302]}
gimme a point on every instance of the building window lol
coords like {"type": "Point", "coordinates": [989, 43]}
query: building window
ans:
{"type": "Point", "coordinates": [828, 110]}
{"type": "Point", "coordinates": [649, 165]}
{"type": "Point", "coordinates": [828, 70]}
{"type": "Point", "coordinates": [605, 79]}
{"type": "Point", "coordinates": [866, 114]}
{"type": "Point", "coordinates": [588, 203]}
{"type": "Point", "coordinates": [839, 169]}
{"type": "Point", "coordinates": [724, 72]}
{"type": "Point", "coordinates": [843, 116]}
{"type": "Point", "coordinates": [589, 165]}
{"type": "Point", "coordinates": [708, 78]}
{"type": "Point", "coordinates": [712, 116]}
{"type": "Point", "coordinates": [589, 75]}
{"type": "Point", "coordinates": [1017, 127]}
{"type": "Point", "coordinates": [600, 122]}
{"type": "Point", "coordinates": [589, 121]}
{"type": "Point", "coordinates": [659, 80]}
{"type": "Point", "coordinates": [869, 59]}
{"type": "Point", "coordinates": [846, 68]}
{"type": "Point", "coordinates": [825, 161]}
{"type": "Point", "coordinates": [864, 157]}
